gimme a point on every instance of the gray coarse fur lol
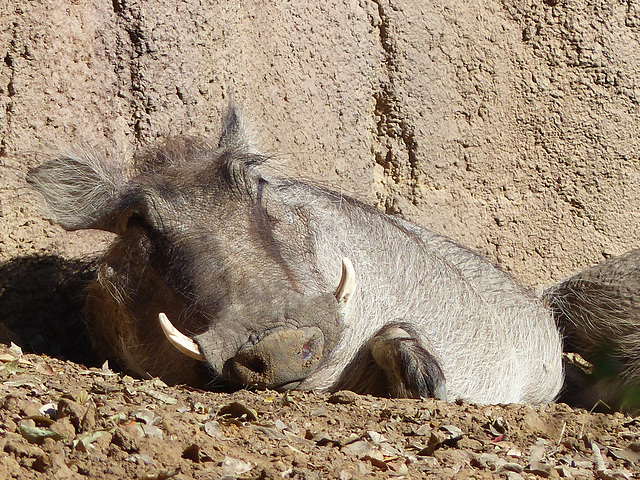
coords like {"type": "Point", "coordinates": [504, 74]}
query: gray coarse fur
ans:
{"type": "Point", "coordinates": [494, 343]}
{"type": "Point", "coordinates": [234, 252]}
{"type": "Point", "coordinates": [85, 194]}
{"type": "Point", "coordinates": [598, 310]}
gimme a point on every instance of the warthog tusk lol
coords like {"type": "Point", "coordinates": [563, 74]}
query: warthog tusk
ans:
{"type": "Point", "coordinates": [180, 340]}
{"type": "Point", "coordinates": [347, 284]}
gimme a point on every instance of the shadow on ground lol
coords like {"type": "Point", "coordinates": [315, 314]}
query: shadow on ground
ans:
{"type": "Point", "coordinates": [41, 300]}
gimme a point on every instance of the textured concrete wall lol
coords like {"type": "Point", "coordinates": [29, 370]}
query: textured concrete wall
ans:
{"type": "Point", "coordinates": [510, 126]}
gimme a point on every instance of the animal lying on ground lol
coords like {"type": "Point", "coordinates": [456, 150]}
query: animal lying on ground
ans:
{"type": "Point", "coordinates": [598, 310]}
{"type": "Point", "coordinates": [269, 282]}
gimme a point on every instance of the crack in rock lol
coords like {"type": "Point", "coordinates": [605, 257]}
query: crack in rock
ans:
{"type": "Point", "coordinates": [132, 22]}
{"type": "Point", "coordinates": [397, 146]}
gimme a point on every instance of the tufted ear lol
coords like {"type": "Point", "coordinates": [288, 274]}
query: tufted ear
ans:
{"type": "Point", "coordinates": [234, 135]}
{"type": "Point", "coordinates": [81, 191]}
{"type": "Point", "coordinates": [238, 156]}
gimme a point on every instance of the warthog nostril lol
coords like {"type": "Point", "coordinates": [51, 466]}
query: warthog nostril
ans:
{"type": "Point", "coordinates": [255, 364]}
{"type": "Point", "coordinates": [253, 369]}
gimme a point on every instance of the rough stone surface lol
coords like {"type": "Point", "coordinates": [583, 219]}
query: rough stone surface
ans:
{"type": "Point", "coordinates": [511, 126]}
{"type": "Point", "coordinates": [146, 430]}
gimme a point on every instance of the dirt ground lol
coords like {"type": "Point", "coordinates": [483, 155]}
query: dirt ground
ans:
{"type": "Point", "coordinates": [511, 126]}
{"type": "Point", "coordinates": [62, 420]}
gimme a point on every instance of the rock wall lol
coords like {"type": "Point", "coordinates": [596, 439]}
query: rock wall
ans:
{"type": "Point", "coordinates": [510, 126]}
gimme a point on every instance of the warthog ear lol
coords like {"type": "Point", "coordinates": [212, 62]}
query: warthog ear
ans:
{"type": "Point", "coordinates": [81, 191]}
{"type": "Point", "coordinates": [234, 135]}
{"type": "Point", "coordinates": [238, 154]}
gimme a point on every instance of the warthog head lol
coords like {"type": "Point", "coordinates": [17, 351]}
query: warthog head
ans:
{"type": "Point", "coordinates": [206, 251]}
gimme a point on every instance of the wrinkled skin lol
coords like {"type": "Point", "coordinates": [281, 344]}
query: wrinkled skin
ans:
{"type": "Point", "coordinates": [247, 265]}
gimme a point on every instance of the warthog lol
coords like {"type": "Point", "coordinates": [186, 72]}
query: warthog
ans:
{"type": "Point", "coordinates": [598, 310]}
{"type": "Point", "coordinates": [270, 282]}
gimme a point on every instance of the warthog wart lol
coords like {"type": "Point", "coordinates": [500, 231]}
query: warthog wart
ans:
{"type": "Point", "coordinates": [270, 282]}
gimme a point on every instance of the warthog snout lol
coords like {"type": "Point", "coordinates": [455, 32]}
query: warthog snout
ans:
{"type": "Point", "coordinates": [279, 351]}
{"type": "Point", "coordinates": [280, 360]}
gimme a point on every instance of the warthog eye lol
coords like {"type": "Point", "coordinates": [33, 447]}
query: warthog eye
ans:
{"type": "Point", "coordinates": [136, 219]}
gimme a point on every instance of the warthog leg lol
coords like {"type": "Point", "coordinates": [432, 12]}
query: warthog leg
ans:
{"type": "Point", "coordinates": [394, 363]}
{"type": "Point", "coordinates": [411, 370]}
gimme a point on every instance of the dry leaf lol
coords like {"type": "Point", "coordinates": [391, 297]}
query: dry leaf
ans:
{"type": "Point", "coordinates": [37, 434]}
{"type": "Point", "coordinates": [238, 411]}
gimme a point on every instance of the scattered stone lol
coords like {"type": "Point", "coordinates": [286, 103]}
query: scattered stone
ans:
{"type": "Point", "coordinates": [214, 430]}
{"type": "Point", "coordinates": [513, 476]}
{"type": "Point", "coordinates": [376, 437]}
{"type": "Point", "coordinates": [72, 410]}
{"type": "Point", "coordinates": [358, 449]}
{"type": "Point", "coordinates": [320, 438]}
{"type": "Point", "coordinates": [194, 453]}
{"type": "Point", "coordinates": [234, 467]}
{"type": "Point", "coordinates": [470, 444]}
{"type": "Point", "coordinates": [271, 433]}
{"type": "Point", "coordinates": [376, 461]}
{"type": "Point", "coordinates": [489, 461]}
{"type": "Point", "coordinates": [350, 439]}
{"type": "Point", "coordinates": [148, 417]}
{"type": "Point", "coordinates": [511, 467]}
{"type": "Point", "coordinates": [344, 397]}
{"type": "Point", "coordinates": [126, 439]}
{"type": "Point", "coordinates": [536, 465]}
{"type": "Point", "coordinates": [423, 430]}
{"type": "Point", "coordinates": [86, 440]}
{"type": "Point", "coordinates": [497, 427]}
{"type": "Point", "coordinates": [141, 458]}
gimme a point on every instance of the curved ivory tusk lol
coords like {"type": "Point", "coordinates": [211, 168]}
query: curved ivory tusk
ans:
{"type": "Point", "coordinates": [347, 284]}
{"type": "Point", "coordinates": [180, 340]}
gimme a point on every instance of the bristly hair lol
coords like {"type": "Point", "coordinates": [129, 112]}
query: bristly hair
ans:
{"type": "Point", "coordinates": [78, 189]}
